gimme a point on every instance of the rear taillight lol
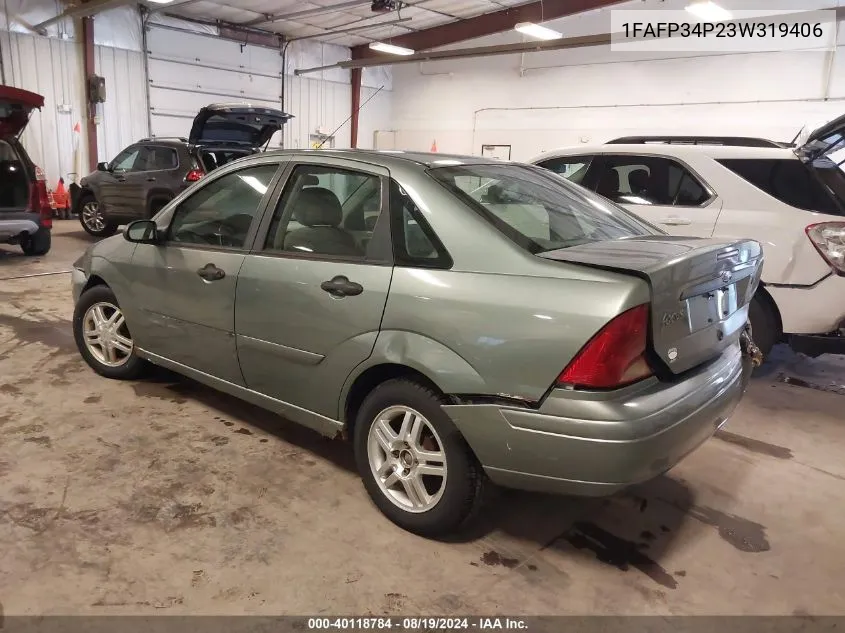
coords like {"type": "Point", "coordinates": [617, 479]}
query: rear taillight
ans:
{"type": "Point", "coordinates": [614, 357]}
{"type": "Point", "coordinates": [829, 240]}
{"type": "Point", "coordinates": [194, 175]}
{"type": "Point", "coordinates": [39, 199]}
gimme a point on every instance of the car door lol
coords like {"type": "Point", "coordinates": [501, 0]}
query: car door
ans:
{"type": "Point", "coordinates": [184, 287]}
{"type": "Point", "coordinates": [156, 168]}
{"type": "Point", "coordinates": [310, 297]}
{"type": "Point", "coordinates": [112, 186]}
{"type": "Point", "coordinates": [662, 190]}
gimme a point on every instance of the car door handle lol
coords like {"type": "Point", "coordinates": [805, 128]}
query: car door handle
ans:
{"type": "Point", "coordinates": [151, 179]}
{"type": "Point", "coordinates": [210, 272]}
{"type": "Point", "coordinates": [674, 220]}
{"type": "Point", "coordinates": [340, 286]}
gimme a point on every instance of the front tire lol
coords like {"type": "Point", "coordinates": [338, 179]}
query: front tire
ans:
{"type": "Point", "coordinates": [93, 220]}
{"type": "Point", "coordinates": [37, 243]}
{"type": "Point", "coordinates": [415, 465]}
{"type": "Point", "coordinates": [102, 336]}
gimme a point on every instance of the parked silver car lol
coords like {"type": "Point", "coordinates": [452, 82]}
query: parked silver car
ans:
{"type": "Point", "coordinates": [460, 319]}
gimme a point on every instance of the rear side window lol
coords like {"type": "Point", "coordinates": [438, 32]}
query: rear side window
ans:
{"type": "Point", "coordinates": [650, 180]}
{"type": "Point", "coordinates": [161, 158]}
{"type": "Point", "coordinates": [572, 168]}
{"type": "Point", "coordinates": [789, 181]}
{"type": "Point", "coordinates": [414, 241]}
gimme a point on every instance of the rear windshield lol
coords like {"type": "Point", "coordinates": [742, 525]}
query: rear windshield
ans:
{"type": "Point", "coordinates": [792, 182]}
{"type": "Point", "coordinates": [538, 209]}
{"type": "Point", "coordinates": [214, 158]}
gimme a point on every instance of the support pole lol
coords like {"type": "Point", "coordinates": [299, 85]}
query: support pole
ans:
{"type": "Point", "coordinates": [356, 106]}
{"type": "Point", "coordinates": [88, 71]}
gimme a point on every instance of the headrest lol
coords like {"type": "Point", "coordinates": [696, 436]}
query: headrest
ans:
{"type": "Point", "coordinates": [638, 179]}
{"type": "Point", "coordinates": [609, 184]}
{"type": "Point", "coordinates": [318, 206]}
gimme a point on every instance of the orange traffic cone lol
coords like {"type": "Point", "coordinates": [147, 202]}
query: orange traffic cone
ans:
{"type": "Point", "coordinates": [62, 201]}
{"type": "Point", "coordinates": [434, 146]}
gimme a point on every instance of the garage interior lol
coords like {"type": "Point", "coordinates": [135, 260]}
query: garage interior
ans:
{"type": "Point", "coordinates": [162, 496]}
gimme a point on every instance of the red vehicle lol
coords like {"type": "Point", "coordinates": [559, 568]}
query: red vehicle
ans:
{"type": "Point", "coordinates": [25, 214]}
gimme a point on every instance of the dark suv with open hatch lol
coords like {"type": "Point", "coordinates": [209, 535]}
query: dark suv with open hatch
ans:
{"type": "Point", "coordinates": [150, 173]}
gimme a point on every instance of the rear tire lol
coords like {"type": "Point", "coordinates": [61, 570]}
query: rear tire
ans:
{"type": "Point", "coordinates": [92, 219]}
{"type": "Point", "coordinates": [37, 243]}
{"type": "Point", "coordinates": [123, 363]}
{"type": "Point", "coordinates": [765, 325]}
{"type": "Point", "coordinates": [447, 501]}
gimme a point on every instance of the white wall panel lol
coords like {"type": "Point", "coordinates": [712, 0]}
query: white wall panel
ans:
{"type": "Point", "coordinates": [123, 117]}
{"type": "Point", "coordinates": [53, 68]}
{"type": "Point", "coordinates": [376, 115]}
{"type": "Point", "coordinates": [509, 100]}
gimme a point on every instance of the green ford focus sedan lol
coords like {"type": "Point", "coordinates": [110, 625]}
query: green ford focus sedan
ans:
{"type": "Point", "coordinates": [461, 320]}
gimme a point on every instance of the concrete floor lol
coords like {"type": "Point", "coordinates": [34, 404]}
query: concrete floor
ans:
{"type": "Point", "coordinates": [165, 497]}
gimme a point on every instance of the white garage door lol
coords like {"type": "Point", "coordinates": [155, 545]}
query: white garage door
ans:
{"type": "Point", "coordinates": [187, 71]}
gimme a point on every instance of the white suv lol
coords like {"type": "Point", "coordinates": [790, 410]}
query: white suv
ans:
{"type": "Point", "coordinates": [792, 200]}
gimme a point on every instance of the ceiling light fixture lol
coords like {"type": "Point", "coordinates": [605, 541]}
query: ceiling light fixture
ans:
{"type": "Point", "coordinates": [538, 32]}
{"type": "Point", "coordinates": [390, 48]}
{"type": "Point", "coordinates": [160, 1]}
{"type": "Point", "coordinates": [709, 11]}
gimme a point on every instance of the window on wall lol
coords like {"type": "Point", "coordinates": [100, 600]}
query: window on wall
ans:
{"type": "Point", "coordinates": [221, 212]}
{"type": "Point", "coordinates": [572, 168]}
{"type": "Point", "coordinates": [650, 180]}
{"type": "Point", "coordinates": [326, 211]}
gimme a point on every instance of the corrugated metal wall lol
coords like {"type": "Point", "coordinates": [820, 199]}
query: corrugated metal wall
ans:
{"type": "Point", "coordinates": [123, 117]}
{"type": "Point", "coordinates": [53, 67]}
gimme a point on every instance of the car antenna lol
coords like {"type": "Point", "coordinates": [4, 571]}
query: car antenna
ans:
{"type": "Point", "coordinates": [349, 118]}
{"type": "Point", "coordinates": [795, 138]}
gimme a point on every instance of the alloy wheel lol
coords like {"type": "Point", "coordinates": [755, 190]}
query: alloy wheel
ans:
{"type": "Point", "coordinates": [106, 335]}
{"type": "Point", "coordinates": [92, 217]}
{"type": "Point", "coordinates": [407, 459]}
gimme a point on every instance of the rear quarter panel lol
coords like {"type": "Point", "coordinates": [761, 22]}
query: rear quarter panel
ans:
{"type": "Point", "coordinates": [496, 334]}
{"type": "Point", "coordinates": [747, 212]}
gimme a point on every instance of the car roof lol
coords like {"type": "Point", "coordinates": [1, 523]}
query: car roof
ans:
{"type": "Point", "coordinates": [666, 149]}
{"type": "Point", "coordinates": [386, 158]}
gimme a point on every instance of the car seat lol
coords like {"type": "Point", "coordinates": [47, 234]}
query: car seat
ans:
{"type": "Point", "coordinates": [319, 212]}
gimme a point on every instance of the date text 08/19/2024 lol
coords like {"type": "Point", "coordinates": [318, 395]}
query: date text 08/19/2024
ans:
{"type": "Point", "coordinates": [416, 624]}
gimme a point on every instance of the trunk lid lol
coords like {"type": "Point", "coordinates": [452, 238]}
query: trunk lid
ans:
{"type": "Point", "coordinates": [823, 141]}
{"type": "Point", "coordinates": [700, 289]}
{"type": "Point", "coordinates": [236, 124]}
{"type": "Point", "coordinates": [15, 107]}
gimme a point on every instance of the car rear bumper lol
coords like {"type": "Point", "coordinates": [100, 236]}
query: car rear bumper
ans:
{"type": "Point", "coordinates": [814, 310]}
{"type": "Point", "coordinates": [596, 443]}
{"type": "Point", "coordinates": [15, 223]}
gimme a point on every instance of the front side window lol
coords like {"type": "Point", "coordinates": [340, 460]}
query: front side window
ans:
{"type": "Point", "coordinates": [572, 168]}
{"type": "Point", "coordinates": [326, 211]}
{"type": "Point", "coordinates": [221, 212]}
{"type": "Point", "coordinates": [125, 161]}
{"type": "Point", "coordinates": [538, 210]}
{"type": "Point", "coordinates": [650, 180]}
{"type": "Point", "coordinates": [790, 181]}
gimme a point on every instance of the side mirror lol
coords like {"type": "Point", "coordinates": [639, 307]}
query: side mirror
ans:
{"type": "Point", "coordinates": [103, 167]}
{"type": "Point", "coordinates": [142, 232]}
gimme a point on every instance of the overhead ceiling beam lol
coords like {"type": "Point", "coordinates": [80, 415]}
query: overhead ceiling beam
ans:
{"type": "Point", "coordinates": [487, 24]}
{"type": "Point", "coordinates": [476, 51]}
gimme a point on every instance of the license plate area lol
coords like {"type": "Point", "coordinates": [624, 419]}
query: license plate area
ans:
{"type": "Point", "coordinates": [711, 307]}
